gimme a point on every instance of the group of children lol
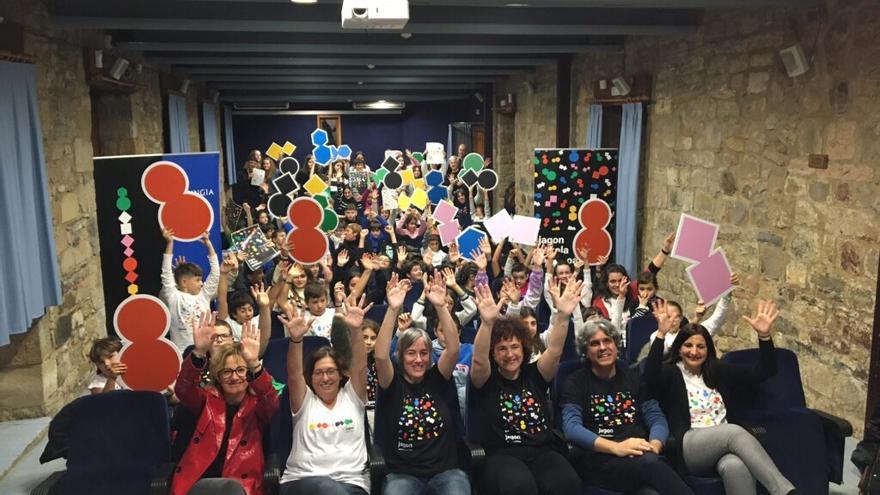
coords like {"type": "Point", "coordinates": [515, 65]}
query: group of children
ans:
{"type": "Point", "coordinates": [479, 319]}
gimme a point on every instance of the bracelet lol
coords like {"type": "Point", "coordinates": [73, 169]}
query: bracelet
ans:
{"type": "Point", "coordinates": [667, 253]}
{"type": "Point", "coordinates": [296, 341]}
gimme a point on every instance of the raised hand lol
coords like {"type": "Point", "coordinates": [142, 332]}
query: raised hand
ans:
{"type": "Point", "coordinates": [355, 311]}
{"type": "Point", "coordinates": [762, 322]}
{"type": "Point", "coordinates": [396, 290]}
{"type": "Point", "coordinates": [338, 293]}
{"type": "Point", "coordinates": [261, 295]}
{"type": "Point", "coordinates": [485, 247]}
{"type": "Point", "coordinates": [250, 344]}
{"type": "Point", "coordinates": [364, 232]}
{"type": "Point", "coordinates": [448, 276]}
{"type": "Point", "coordinates": [583, 254]}
{"type": "Point", "coordinates": [115, 370]}
{"type": "Point", "coordinates": [486, 305]}
{"type": "Point", "coordinates": [389, 229]}
{"type": "Point", "coordinates": [664, 322]}
{"type": "Point", "coordinates": [179, 261]}
{"type": "Point", "coordinates": [428, 258]}
{"type": "Point", "coordinates": [510, 291]}
{"type": "Point", "coordinates": [404, 322]}
{"type": "Point", "coordinates": [569, 299]}
{"type": "Point", "coordinates": [454, 254]}
{"type": "Point", "coordinates": [436, 292]}
{"type": "Point", "coordinates": [368, 261]}
{"type": "Point", "coordinates": [342, 258]}
{"type": "Point", "coordinates": [294, 322]}
{"type": "Point", "coordinates": [623, 288]}
{"type": "Point", "coordinates": [203, 333]}
{"type": "Point", "coordinates": [538, 256]}
{"type": "Point", "coordinates": [401, 253]}
{"type": "Point", "coordinates": [206, 240]}
{"type": "Point", "coordinates": [168, 234]}
{"type": "Point", "coordinates": [668, 242]}
{"type": "Point", "coordinates": [230, 264]}
{"type": "Point", "coordinates": [699, 311]}
{"type": "Point", "coordinates": [479, 258]}
{"type": "Point", "coordinates": [734, 279]}
{"type": "Point", "coordinates": [602, 260]}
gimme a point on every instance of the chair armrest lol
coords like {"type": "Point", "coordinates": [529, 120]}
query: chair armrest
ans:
{"type": "Point", "coordinates": [271, 474]}
{"type": "Point", "coordinates": [48, 486]}
{"type": "Point", "coordinates": [378, 469]}
{"type": "Point", "coordinates": [161, 482]}
{"type": "Point", "coordinates": [476, 451]}
{"type": "Point", "coordinates": [841, 425]}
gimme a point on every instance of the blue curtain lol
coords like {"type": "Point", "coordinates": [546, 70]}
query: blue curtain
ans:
{"type": "Point", "coordinates": [594, 128]}
{"type": "Point", "coordinates": [29, 272]}
{"type": "Point", "coordinates": [229, 146]}
{"type": "Point", "coordinates": [178, 127]}
{"type": "Point", "coordinates": [209, 122]}
{"type": "Point", "coordinates": [628, 186]}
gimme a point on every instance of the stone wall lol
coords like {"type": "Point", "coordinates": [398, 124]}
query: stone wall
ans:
{"type": "Point", "coordinates": [45, 367]}
{"type": "Point", "coordinates": [533, 126]}
{"type": "Point", "coordinates": [729, 134]}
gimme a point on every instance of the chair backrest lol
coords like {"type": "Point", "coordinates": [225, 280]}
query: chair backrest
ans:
{"type": "Point", "coordinates": [377, 312]}
{"type": "Point", "coordinates": [566, 368]}
{"type": "Point", "coordinates": [638, 332]}
{"type": "Point", "coordinates": [781, 391]}
{"type": "Point", "coordinates": [569, 351]}
{"type": "Point", "coordinates": [118, 442]}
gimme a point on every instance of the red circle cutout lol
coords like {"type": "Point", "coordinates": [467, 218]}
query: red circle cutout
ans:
{"type": "Point", "coordinates": [164, 181]}
{"type": "Point", "coordinates": [141, 318]}
{"type": "Point", "coordinates": [189, 216]}
{"type": "Point", "coordinates": [130, 264]}
{"type": "Point", "coordinates": [152, 365]}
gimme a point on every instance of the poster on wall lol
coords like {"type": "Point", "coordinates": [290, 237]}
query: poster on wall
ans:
{"type": "Point", "coordinates": [566, 180]}
{"type": "Point", "coordinates": [183, 192]}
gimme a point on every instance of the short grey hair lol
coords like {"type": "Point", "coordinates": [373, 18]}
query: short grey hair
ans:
{"type": "Point", "coordinates": [409, 337]}
{"type": "Point", "coordinates": [591, 328]}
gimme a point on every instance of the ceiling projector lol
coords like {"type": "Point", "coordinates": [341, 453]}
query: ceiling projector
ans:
{"type": "Point", "coordinates": [375, 14]}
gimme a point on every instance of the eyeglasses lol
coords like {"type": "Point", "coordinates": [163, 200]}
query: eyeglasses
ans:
{"type": "Point", "coordinates": [329, 373]}
{"type": "Point", "coordinates": [222, 337]}
{"type": "Point", "coordinates": [226, 373]}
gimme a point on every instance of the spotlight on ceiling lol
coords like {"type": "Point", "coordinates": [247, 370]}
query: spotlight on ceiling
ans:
{"type": "Point", "coordinates": [379, 105]}
{"type": "Point", "coordinates": [304, 1]}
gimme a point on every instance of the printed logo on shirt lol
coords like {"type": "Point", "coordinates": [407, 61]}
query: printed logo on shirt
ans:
{"type": "Point", "coordinates": [610, 411]}
{"type": "Point", "coordinates": [707, 408]}
{"type": "Point", "coordinates": [522, 415]}
{"type": "Point", "coordinates": [341, 425]}
{"type": "Point", "coordinates": [419, 421]}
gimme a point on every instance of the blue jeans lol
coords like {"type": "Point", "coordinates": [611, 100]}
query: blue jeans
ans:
{"type": "Point", "coordinates": [451, 482]}
{"type": "Point", "coordinates": [320, 485]}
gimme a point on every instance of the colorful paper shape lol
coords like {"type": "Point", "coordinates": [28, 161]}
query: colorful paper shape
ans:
{"type": "Point", "coordinates": [306, 242]}
{"type": "Point", "coordinates": [524, 230]}
{"type": "Point", "coordinates": [274, 151]}
{"type": "Point", "coordinates": [694, 239]}
{"type": "Point", "coordinates": [499, 225]}
{"type": "Point", "coordinates": [408, 176]}
{"type": "Point", "coordinates": [419, 184]}
{"type": "Point", "coordinates": [403, 201]}
{"type": "Point", "coordinates": [141, 321]}
{"type": "Point", "coordinates": [445, 212]}
{"type": "Point", "coordinates": [187, 213]}
{"type": "Point", "coordinates": [419, 199]}
{"type": "Point", "coordinates": [255, 246]}
{"type": "Point", "coordinates": [315, 185]}
{"type": "Point", "coordinates": [593, 217]}
{"type": "Point", "coordinates": [448, 232]}
{"type": "Point", "coordinates": [711, 277]}
{"type": "Point", "coordinates": [288, 148]}
{"type": "Point", "coordinates": [469, 240]}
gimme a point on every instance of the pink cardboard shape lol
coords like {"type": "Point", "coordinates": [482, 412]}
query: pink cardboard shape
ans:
{"type": "Point", "coordinates": [448, 232]}
{"type": "Point", "coordinates": [694, 239]}
{"type": "Point", "coordinates": [445, 212]}
{"type": "Point", "coordinates": [711, 278]}
{"type": "Point", "coordinates": [499, 225]}
{"type": "Point", "coordinates": [525, 230]}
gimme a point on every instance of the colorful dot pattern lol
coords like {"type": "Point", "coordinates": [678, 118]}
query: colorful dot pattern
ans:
{"type": "Point", "coordinates": [419, 420]}
{"type": "Point", "coordinates": [707, 408]}
{"type": "Point", "coordinates": [522, 413]}
{"type": "Point", "coordinates": [130, 264]}
{"type": "Point", "coordinates": [612, 410]}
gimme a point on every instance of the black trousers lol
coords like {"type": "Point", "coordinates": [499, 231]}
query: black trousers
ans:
{"type": "Point", "coordinates": [634, 474]}
{"type": "Point", "coordinates": [528, 471]}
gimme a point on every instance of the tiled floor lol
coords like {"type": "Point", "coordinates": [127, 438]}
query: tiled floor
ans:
{"type": "Point", "coordinates": [28, 472]}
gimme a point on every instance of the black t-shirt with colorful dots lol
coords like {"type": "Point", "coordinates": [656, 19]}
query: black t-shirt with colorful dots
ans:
{"type": "Point", "coordinates": [514, 412]}
{"type": "Point", "coordinates": [611, 407]}
{"type": "Point", "coordinates": [419, 431]}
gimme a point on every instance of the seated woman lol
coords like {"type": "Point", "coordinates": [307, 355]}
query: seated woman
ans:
{"type": "Point", "coordinates": [691, 386]}
{"type": "Point", "coordinates": [324, 390]}
{"type": "Point", "coordinates": [419, 441]}
{"type": "Point", "coordinates": [511, 393]}
{"type": "Point", "coordinates": [606, 414]}
{"type": "Point", "coordinates": [233, 412]}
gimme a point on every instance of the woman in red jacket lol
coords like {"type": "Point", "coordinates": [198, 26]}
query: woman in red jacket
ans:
{"type": "Point", "coordinates": [227, 442]}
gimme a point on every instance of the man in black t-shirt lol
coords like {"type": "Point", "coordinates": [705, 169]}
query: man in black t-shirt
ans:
{"type": "Point", "coordinates": [606, 414]}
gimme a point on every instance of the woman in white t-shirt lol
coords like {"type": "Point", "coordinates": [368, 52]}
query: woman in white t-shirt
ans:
{"type": "Point", "coordinates": [328, 401]}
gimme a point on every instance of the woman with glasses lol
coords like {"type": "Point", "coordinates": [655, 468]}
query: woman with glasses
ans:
{"type": "Point", "coordinates": [227, 446]}
{"type": "Point", "coordinates": [328, 398]}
